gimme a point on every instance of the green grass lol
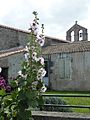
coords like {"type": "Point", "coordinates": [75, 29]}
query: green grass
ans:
{"type": "Point", "coordinates": [75, 100]}
{"type": "Point", "coordinates": [78, 101]}
{"type": "Point", "coordinates": [68, 92]}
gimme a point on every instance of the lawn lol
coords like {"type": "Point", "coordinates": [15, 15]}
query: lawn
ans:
{"type": "Point", "coordinates": [75, 100]}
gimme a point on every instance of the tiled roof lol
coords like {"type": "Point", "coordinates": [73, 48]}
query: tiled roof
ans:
{"type": "Point", "coordinates": [81, 46]}
{"type": "Point", "coordinates": [12, 28]}
{"type": "Point", "coordinates": [6, 53]}
{"type": "Point", "coordinates": [28, 32]}
{"type": "Point", "coordinates": [66, 41]}
{"type": "Point", "coordinates": [60, 48]}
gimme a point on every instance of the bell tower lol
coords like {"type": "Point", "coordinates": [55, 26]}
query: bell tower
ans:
{"type": "Point", "coordinates": [80, 33]}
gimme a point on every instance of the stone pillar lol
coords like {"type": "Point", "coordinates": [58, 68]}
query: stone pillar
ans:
{"type": "Point", "coordinates": [76, 35]}
{"type": "Point", "coordinates": [68, 36]}
{"type": "Point", "coordinates": [85, 35]}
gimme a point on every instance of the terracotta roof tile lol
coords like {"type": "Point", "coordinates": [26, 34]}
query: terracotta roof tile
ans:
{"type": "Point", "coordinates": [81, 46]}
{"type": "Point", "coordinates": [28, 32]}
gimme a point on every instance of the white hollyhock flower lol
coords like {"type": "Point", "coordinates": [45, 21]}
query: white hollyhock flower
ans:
{"type": "Point", "coordinates": [41, 60]}
{"type": "Point", "coordinates": [0, 69]}
{"type": "Point", "coordinates": [41, 42]}
{"type": "Point", "coordinates": [26, 49]}
{"type": "Point", "coordinates": [43, 89]}
{"type": "Point", "coordinates": [34, 27]}
{"type": "Point", "coordinates": [26, 55]}
{"type": "Point", "coordinates": [41, 73]}
{"type": "Point", "coordinates": [32, 48]}
{"type": "Point", "coordinates": [34, 56]}
{"type": "Point", "coordinates": [21, 74]}
{"type": "Point", "coordinates": [41, 39]}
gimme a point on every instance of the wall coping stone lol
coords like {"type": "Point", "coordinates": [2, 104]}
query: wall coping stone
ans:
{"type": "Point", "coordinates": [62, 114]}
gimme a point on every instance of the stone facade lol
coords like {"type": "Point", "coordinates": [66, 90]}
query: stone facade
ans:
{"type": "Point", "coordinates": [10, 37]}
{"type": "Point", "coordinates": [10, 40]}
{"type": "Point", "coordinates": [11, 65]}
{"type": "Point", "coordinates": [68, 64]}
{"type": "Point", "coordinates": [70, 71]}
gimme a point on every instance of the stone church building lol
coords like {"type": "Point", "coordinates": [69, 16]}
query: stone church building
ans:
{"type": "Point", "coordinates": [67, 62]}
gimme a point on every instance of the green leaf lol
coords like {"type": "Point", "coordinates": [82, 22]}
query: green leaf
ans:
{"type": "Point", "coordinates": [2, 92]}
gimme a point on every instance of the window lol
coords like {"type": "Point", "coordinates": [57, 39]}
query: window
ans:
{"type": "Point", "coordinates": [46, 68]}
{"type": "Point", "coordinates": [4, 74]}
{"type": "Point", "coordinates": [64, 67]}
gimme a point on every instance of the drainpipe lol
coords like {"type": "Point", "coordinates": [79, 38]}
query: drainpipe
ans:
{"type": "Point", "coordinates": [49, 60]}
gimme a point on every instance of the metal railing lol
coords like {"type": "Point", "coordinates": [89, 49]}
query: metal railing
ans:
{"type": "Point", "coordinates": [66, 95]}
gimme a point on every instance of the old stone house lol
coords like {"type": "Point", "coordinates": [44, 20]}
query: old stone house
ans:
{"type": "Point", "coordinates": [69, 63]}
{"type": "Point", "coordinates": [12, 42]}
{"type": "Point", "coordinates": [66, 62]}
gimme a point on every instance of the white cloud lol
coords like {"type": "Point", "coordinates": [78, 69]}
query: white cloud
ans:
{"type": "Point", "coordinates": [57, 15]}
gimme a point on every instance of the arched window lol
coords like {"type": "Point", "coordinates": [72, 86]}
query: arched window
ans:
{"type": "Point", "coordinates": [80, 35]}
{"type": "Point", "coordinates": [72, 36]}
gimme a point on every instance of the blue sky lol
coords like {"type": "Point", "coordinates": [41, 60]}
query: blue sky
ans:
{"type": "Point", "coordinates": [57, 15]}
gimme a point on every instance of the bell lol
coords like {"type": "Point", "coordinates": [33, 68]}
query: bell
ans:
{"type": "Point", "coordinates": [80, 34]}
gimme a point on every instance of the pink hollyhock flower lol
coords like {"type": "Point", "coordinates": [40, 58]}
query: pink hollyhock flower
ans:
{"type": "Point", "coordinates": [8, 88]}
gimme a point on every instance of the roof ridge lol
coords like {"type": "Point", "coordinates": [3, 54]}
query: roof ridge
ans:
{"type": "Point", "coordinates": [16, 29]}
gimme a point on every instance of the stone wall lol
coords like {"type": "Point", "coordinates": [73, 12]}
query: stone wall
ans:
{"type": "Point", "coordinates": [13, 64]}
{"type": "Point", "coordinates": [10, 38]}
{"type": "Point", "coordinates": [70, 71]}
{"type": "Point", "coordinates": [44, 115]}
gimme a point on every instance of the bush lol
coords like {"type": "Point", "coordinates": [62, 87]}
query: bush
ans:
{"type": "Point", "coordinates": [55, 101]}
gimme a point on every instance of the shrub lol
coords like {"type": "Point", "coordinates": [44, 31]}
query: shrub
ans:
{"type": "Point", "coordinates": [55, 101]}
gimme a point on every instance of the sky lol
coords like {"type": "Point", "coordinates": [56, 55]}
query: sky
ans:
{"type": "Point", "coordinates": [56, 15]}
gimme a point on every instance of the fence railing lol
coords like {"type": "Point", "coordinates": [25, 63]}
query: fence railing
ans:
{"type": "Point", "coordinates": [67, 95]}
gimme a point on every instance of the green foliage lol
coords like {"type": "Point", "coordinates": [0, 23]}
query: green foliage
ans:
{"type": "Point", "coordinates": [75, 100]}
{"type": "Point", "coordinates": [55, 101]}
{"type": "Point", "coordinates": [27, 87]}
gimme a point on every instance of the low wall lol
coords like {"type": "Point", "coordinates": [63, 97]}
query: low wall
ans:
{"type": "Point", "coordinates": [44, 115]}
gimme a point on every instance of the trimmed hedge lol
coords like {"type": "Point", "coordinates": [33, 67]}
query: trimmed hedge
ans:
{"type": "Point", "coordinates": [57, 101]}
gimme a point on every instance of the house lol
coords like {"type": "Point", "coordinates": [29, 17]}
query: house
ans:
{"type": "Point", "coordinates": [66, 61]}
{"type": "Point", "coordinates": [12, 42]}
{"type": "Point", "coordinates": [69, 63]}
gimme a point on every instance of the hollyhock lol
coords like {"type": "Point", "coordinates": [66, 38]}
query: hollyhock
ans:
{"type": "Point", "coordinates": [3, 85]}
{"type": "Point", "coordinates": [8, 88]}
{"type": "Point", "coordinates": [34, 56]}
{"type": "Point", "coordinates": [0, 69]}
{"type": "Point", "coordinates": [41, 39]}
{"type": "Point", "coordinates": [34, 27]}
{"type": "Point", "coordinates": [43, 89]}
{"type": "Point", "coordinates": [41, 60]}
{"type": "Point", "coordinates": [22, 75]}
{"type": "Point", "coordinates": [41, 73]}
{"type": "Point", "coordinates": [26, 55]}
{"type": "Point", "coordinates": [26, 49]}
